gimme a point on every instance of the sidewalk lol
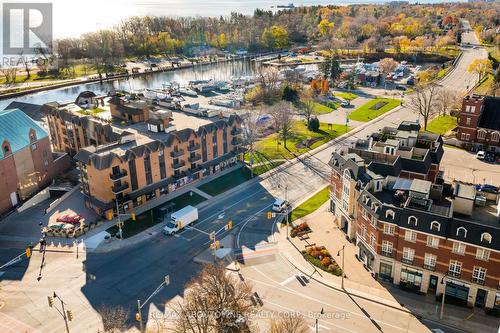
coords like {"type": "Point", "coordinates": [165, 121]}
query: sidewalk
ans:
{"type": "Point", "coordinates": [360, 282]}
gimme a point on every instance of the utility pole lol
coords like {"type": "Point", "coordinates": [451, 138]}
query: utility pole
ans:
{"type": "Point", "coordinates": [441, 313]}
{"type": "Point", "coordinates": [343, 255]}
{"type": "Point", "coordinates": [66, 314]}
{"type": "Point", "coordinates": [138, 315]}
{"type": "Point", "coordinates": [119, 221]}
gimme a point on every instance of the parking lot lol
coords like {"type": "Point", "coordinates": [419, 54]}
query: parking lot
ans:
{"type": "Point", "coordinates": [463, 165]}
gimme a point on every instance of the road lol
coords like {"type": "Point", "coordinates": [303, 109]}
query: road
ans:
{"type": "Point", "coordinates": [96, 280]}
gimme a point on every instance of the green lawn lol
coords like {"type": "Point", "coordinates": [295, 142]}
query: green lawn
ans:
{"type": "Point", "coordinates": [92, 112]}
{"type": "Point", "coordinates": [271, 150]}
{"type": "Point", "coordinates": [321, 109]}
{"type": "Point", "coordinates": [485, 86]}
{"type": "Point", "coordinates": [152, 217]}
{"type": "Point", "coordinates": [224, 183]}
{"type": "Point", "coordinates": [345, 95]}
{"type": "Point", "coordinates": [311, 204]}
{"type": "Point", "coordinates": [442, 124]}
{"type": "Point", "coordinates": [365, 113]}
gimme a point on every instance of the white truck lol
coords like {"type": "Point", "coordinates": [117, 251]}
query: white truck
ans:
{"type": "Point", "coordinates": [180, 219]}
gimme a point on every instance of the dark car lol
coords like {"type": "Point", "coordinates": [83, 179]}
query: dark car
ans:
{"type": "Point", "coordinates": [486, 188]}
{"type": "Point", "coordinates": [490, 158]}
{"type": "Point", "coordinates": [400, 87]}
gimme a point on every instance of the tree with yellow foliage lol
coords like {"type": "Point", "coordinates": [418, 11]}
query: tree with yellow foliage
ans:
{"type": "Point", "coordinates": [325, 27]}
{"type": "Point", "coordinates": [481, 67]}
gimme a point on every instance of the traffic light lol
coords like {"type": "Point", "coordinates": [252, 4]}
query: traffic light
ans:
{"type": "Point", "coordinates": [69, 314]}
{"type": "Point", "coordinates": [211, 236]}
{"type": "Point", "coordinates": [230, 225]}
{"type": "Point", "coordinates": [51, 301]}
{"type": "Point", "coordinates": [137, 316]}
{"type": "Point", "coordinates": [269, 215]}
{"type": "Point", "coordinates": [134, 218]}
{"type": "Point", "coordinates": [28, 252]}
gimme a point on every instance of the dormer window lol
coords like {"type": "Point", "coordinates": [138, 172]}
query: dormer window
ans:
{"type": "Point", "coordinates": [485, 238]}
{"type": "Point", "coordinates": [6, 149]}
{"type": "Point", "coordinates": [412, 220]}
{"type": "Point", "coordinates": [389, 214]}
{"type": "Point", "coordinates": [461, 232]}
{"type": "Point", "coordinates": [481, 134]}
{"type": "Point", "coordinates": [435, 226]}
{"type": "Point", "coordinates": [495, 136]}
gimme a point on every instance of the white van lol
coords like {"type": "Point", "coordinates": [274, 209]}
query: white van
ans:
{"type": "Point", "coordinates": [480, 155]}
{"type": "Point", "coordinates": [279, 205]}
{"type": "Point", "coordinates": [180, 219]}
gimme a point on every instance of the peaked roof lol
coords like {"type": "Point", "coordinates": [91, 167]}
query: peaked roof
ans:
{"type": "Point", "coordinates": [32, 110]}
{"type": "Point", "coordinates": [15, 127]}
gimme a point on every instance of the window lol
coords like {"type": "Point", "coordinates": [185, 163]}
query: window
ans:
{"type": "Point", "coordinates": [478, 275]}
{"type": "Point", "coordinates": [373, 240]}
{"type": "Point", "coordinates": [373, 221]}
{"type": "Point", "coordinates": [412, 220]}
{"type": "Point", "coordinates": [389, 229]}
{"type": "Point", "coordinates": [387, 248]}
{"type": "Point", "coordinates": [486, 238]}
{"type": "Point", "coordinates": [389, 214]}
{"type": "Point", "coordinates": [495, 136]}
{"type": "Point", "coordinates": [482, 254]}
{"type": "Point", "coordinates": [458, 248]}
{"type": "Point", "coordinates": [46, 163]}
{"type": "Point", "coordinates": [435, 226]}
{"type": "Point", "coordinates": [481, 134]}
{"type": "Point", "coordinates": [147, 169]}
{"type": "Point", "coordinates": [467, 121]}
{"type": "Point", "coordinates": [364, 213]}
{"type": "Point", "coordinates": [408, 254]}
{"type": "Point", "coordinates": [6, 149]}
{"type": "Point", "coordinates": [465, 136]}
{"type": "Point", "coordinates": [33, 146]}
{"type": "Point", "coordinates": [410, 236]}
{"type": "Point", "coordinates": [432, 241]}
{"type": "Point", "coordinates": [462, 232]}
{"type": "Point", "coordinates": [430, 261]}
{"type": "Point", "coordinates": [455, 268]}
{"type": "Point", "coordinates": [363, 231]}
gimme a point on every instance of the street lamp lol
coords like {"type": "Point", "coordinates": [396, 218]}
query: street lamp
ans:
{"type": "Point", "coordinates": [286, 208]}
{"type": "Point", "coordinates": [317, 318]}
{"type": "Point", "coordinates": [338, 254]}
{"type": "Point", "coordinates": [441, 313]}
{"type": "Point", "coordinates": [138, 315]}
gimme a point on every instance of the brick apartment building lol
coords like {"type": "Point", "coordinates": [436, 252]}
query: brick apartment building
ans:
{"type": "Point", "coordinates": [145, 152]}
{"type": "Point", "coordinates": [399, 152]}
{"type": "Point", "coordinates": [27, 163]}
{"type": "Point", "coordinates": [479, 123]}
{"type": "Point", "coordinates": [413, 229]}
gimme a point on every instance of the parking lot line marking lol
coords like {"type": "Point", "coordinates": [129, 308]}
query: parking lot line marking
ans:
{"type": "Point", "coordinates": [290, 279]}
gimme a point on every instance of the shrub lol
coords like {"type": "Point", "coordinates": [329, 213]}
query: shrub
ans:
{"type": "Point", "coordinates": [290, 94]}
{"type": "Point", "coordinates": [315, 253]}
{"type": "Point", "coordinates": [331, 105]}
{"type": "Point", "coordinates": [325, 253]}
{"type": "Point", "coordinates": [313, 124]}
{"type": "Point", "coordinates": [326, 261]}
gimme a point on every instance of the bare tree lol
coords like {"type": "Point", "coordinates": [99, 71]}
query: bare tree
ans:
{"type": "Point", "coordinates": [292, 324]}
{"type": "Point", "coordinates": [268, 77]}
{"type": "Point", "coordinates": [251, 131]}
{"type": "Point", "coordinates": [282, 116]}
{"type": "Point", "coordinates": [447, 100]}
{"type": "Point", "coordinates": [10, 74]}
{"type": "Point", "coordinates": [214, 302]}
{"type": "Point", "coordinates": [422, 101]}
{"type": "Point", "coordinates": [387, 65]}
{"type": "Point", "coordinates": [113, 318]}
{"type": "Point", "coordinates": [307, 105]}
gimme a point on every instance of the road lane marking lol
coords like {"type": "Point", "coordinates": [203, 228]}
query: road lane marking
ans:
{"type": "Point", "coordinates": [297, 293]}
{"type": "Point", "coordinates": [290, 279]}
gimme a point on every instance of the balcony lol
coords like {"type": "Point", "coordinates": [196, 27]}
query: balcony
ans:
{"type": "Point", "coordinates": [119, 188]}
{"type": "Point", "coordinates": [407, 261]}
{"type": "Point", "coordinates": [177, 153]}
{"type": "Point", "coordinates": [429, 267]}
{"type": "Point", "coordinates": [454, 274]}
{"type": "Point", "coordinates": [118, 175]}
{"type": "Point", "coordinates": [386, 254]}
{"type": "Point", "coordinates": [178, 165]}
{"type": "Point", "coordinates": [194, 147]}
{"type": "Point", "coordinates": [194, 158]}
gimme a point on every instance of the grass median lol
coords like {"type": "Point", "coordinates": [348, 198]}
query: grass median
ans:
{"type": "Point", "coordinates": [310, 205]}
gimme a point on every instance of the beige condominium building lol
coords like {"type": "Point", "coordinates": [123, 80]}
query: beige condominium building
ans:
{"type": "Point", "coordinates": [144, 152]}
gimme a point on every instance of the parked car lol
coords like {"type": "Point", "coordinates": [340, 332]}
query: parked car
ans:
{"type": "Point", "coordinates": [400, 87]}
{"type": "Point", "coordinates": [69, 219]}
{"type": "Point", "coordinates": [345, 104]}
{"type": "Point", "coordinates": [486, 188]}
{"type": "Point", "coordinates": [410, 81]}
{"type": "Point", "coordinates": [480, 155]}
{"type": "Point", "coordinates": [490, 158]}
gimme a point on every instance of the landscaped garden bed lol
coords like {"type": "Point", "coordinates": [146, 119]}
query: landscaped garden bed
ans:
{"type": "Point", "coordinates": [300, 230]}
{"type": "Point", "coordinates": [321, 258]}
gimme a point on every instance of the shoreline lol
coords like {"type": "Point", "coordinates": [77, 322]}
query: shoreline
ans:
{"type": "Point", "coordinates": [112, 78]}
